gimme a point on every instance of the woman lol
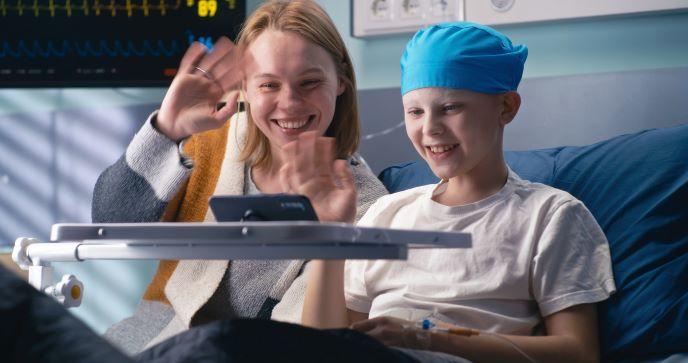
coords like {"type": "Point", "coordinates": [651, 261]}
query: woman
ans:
{"type": "Point", "coordinates": [296, 75]}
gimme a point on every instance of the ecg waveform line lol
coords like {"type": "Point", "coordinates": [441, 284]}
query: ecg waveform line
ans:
{"type": "Point", "coordinates": [88, 7]}
{"type": "Point", "coordinates": [87, 49]}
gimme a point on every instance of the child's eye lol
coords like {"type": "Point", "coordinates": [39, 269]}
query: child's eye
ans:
{"type": "Point", "coordinates": [451, 107]}
{"type": "Point", "coordinates": [415, 112]}
{"type": "Point", "coordinates": [268, 85]}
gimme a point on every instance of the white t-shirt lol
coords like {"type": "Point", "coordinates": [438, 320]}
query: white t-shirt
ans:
{"type": "Point", "coordinates": [536, 250]}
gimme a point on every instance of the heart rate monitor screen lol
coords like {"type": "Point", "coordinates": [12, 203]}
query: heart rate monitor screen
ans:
{"type": "Point", "coordinates": [73, 43]}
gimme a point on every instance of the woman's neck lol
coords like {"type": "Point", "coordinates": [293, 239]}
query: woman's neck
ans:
{"type": "Point", "coordinates": [266, 177]}
{"type": "Point", "coordinates": [477, 184]}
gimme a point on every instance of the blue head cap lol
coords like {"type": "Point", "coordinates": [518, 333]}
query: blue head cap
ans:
{"type": "Point", "coordinates": [462, 55]}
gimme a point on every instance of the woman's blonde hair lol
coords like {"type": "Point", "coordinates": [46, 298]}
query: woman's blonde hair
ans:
{"type": "Point", "coordinates": [310, 21]}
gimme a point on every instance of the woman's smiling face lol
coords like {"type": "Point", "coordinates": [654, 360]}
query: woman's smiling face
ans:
{"type": "Point", "coordinates": [291, 86]}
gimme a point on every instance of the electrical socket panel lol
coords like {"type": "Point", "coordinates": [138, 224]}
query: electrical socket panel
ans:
{"type": "Point", "coordinates": [503, 12]}
{"type": "Point", "coordinates": [380, 17]}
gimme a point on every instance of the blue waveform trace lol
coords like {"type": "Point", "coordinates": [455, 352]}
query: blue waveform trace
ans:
{"type": "Point", "coordinates": [207, 41]}
{"type": "Point", "coordinates": [86, 49]}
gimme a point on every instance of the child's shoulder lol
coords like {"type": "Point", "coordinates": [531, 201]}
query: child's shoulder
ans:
{"type": "Point", "coordinates": [542, 194]}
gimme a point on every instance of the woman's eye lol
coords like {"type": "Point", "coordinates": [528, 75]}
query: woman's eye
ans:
{"type": "Point", "coordinates": [268, 85]}
{"type": "Point", "coordinates": [415, 112]}
{"type": "Point", "coordinates": [311, 83]}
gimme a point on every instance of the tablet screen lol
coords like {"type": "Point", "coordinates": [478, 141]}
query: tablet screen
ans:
{"type": "Point", "coordinates": [266, 207]}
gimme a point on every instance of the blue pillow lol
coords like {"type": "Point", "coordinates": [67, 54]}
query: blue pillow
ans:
{"type": "Point", "coordinates": [536, 166]}
{"type": "Point", "coordinates": [636, 186]}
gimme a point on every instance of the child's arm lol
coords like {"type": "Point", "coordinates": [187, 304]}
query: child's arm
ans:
{"type": "Point", "coordinates": [310, 170]}
{"type": "Point", "coordinates": [325, 306]}
{"type": "Point", "coordinates": [571, 337]}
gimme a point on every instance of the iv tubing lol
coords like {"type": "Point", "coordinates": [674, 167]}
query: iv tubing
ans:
{"type": "Point", "coordinates": [427, 325]}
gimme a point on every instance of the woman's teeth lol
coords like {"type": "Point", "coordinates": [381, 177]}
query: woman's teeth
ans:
{"type": "Point", "coordinates": [292, 124]}
{"type": "Point", "coordinates": [441, 148]}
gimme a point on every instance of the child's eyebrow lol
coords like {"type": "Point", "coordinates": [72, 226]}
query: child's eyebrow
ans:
{"type": "Point", "coordinates": [411, 104]}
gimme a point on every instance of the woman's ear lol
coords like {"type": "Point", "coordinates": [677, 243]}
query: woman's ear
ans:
{"type": "Point", "coordinates": [243, 93]}
{"type": "Point", "coordinates": [511, 103]}
{"type": "Point", "coordinates": [341, 86]}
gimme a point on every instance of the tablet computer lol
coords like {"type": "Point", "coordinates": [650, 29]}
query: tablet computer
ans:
{"type": "Point", "coordinates": [264, 207]}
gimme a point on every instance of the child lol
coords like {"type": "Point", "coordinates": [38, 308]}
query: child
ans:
{"type": "Point", "coordinates": [539, 260]}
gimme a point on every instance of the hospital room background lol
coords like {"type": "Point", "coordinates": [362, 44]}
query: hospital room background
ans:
{"type": "Point", "coordinates": [587, 79]}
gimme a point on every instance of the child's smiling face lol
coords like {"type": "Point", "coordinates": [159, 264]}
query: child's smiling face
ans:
{"type": "Point", "coordinates": [455, 131]}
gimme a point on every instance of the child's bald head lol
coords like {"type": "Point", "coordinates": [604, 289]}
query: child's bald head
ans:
{"type": "Point", "coordinates": [462, 55]}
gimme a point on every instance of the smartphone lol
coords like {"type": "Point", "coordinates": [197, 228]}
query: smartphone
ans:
{"type": "Point", "coordinates": [264, 207]}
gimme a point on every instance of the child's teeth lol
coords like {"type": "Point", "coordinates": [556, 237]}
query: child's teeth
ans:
{"type": "Point", "coordinates": [441, 149]}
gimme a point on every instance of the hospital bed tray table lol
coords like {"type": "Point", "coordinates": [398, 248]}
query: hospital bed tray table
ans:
{"type": "Point", "coordinates": [213, 241]}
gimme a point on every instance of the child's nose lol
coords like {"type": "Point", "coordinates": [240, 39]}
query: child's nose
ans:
{"type": "Point", "coordinates": [432, 126]}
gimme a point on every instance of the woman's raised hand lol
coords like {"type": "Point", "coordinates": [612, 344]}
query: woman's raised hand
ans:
{"type": "Point", "coordinates": [189, 106]}
{"type": "Point", "coordinates": [311, 170]}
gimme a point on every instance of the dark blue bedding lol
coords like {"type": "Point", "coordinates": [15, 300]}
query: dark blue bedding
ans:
{"type": "Point", "coordinates": [35, 328]}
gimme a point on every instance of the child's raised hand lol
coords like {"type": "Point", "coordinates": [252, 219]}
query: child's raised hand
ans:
{"type": "Point", "coordinates": [189, 105]}
{"type": "Point", "coordinates": [311, 170]}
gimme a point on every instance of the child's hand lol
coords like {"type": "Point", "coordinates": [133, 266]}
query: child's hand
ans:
{"type": "Point", "coordinates": [310, 170]}
{"type": "Point", "coordinates": [394, 332]}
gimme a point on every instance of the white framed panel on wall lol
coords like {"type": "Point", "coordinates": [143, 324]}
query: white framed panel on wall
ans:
{"type": "Point", "coordinates": [383, 17]}
{"type": "Point", "coordinates": [499, 12]}
{"type": "Point", "coordinates": [380, 17]}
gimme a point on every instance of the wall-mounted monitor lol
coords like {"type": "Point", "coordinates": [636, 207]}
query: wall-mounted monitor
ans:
{"type": "Point", "coordinates": [106, 43]}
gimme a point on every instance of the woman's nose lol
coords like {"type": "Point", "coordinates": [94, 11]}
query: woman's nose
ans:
{"type": "Point", "coordinates": [290, 98]}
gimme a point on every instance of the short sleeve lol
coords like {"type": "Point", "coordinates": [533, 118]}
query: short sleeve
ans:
{"type": "Point", "coordinates": [369, 218]}
{"type": "Point", "coordinates": [572, 264]}
{"type": "Point", "coordinates": [355, 291]}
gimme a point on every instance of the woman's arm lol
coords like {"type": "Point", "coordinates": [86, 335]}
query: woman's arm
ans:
{"type": "Point", "coordinates": [139, 186]}
{"type": "Point", "coordinates": [571, 337]}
